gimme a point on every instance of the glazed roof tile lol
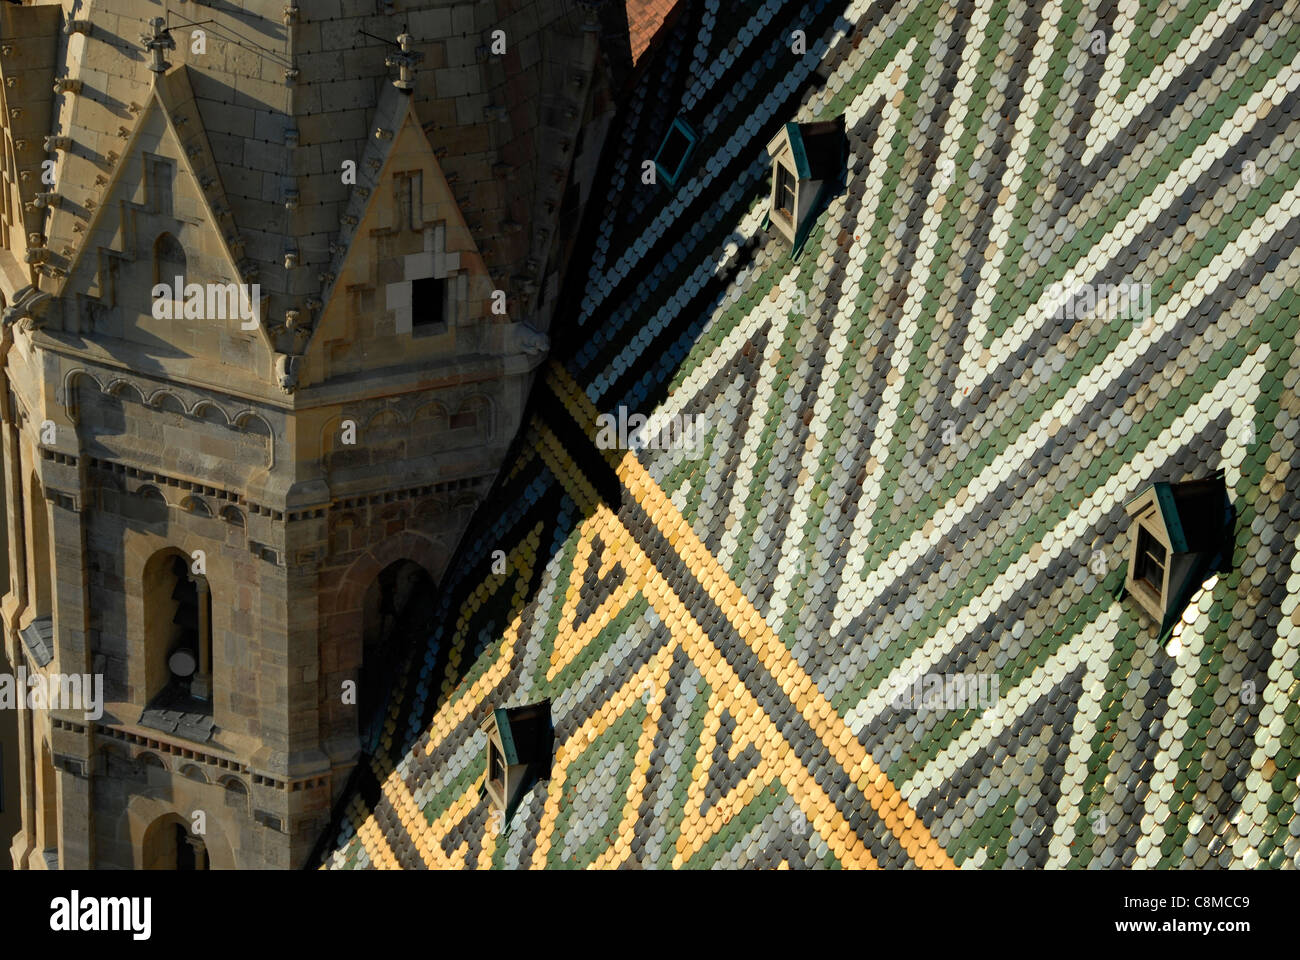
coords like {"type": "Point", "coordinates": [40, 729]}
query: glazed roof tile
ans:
{"type": "Point", "coordinates": [867, 614]}
{"type": "Point", "coordinates": [644, 20]}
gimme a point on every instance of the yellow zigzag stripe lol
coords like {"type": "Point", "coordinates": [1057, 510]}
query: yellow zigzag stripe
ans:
{"type": "Point", "coordinates": [875, 785]}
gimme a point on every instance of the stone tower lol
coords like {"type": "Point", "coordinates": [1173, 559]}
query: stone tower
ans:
{"type": "Point", "coordinates": [276, 278]}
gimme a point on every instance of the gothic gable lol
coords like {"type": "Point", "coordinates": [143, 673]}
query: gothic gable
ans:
{"type": "Point", "coordinates": [164, 223]}
{"type": "Point", "coordinates": [409, 282]}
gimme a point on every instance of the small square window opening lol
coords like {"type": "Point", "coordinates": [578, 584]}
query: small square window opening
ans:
{"type": "Point", "coordinates": [428, 303]}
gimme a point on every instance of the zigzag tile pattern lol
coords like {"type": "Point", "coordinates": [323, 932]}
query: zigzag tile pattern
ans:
{"type": "Point", "coordinates": [912, 466]}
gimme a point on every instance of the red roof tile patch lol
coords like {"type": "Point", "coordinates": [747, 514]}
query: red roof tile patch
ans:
{"type": "Point", "coordinates": [644, 18]}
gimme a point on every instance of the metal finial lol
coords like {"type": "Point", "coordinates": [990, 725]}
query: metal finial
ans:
{"type": "Point", "coordinates": [405, 60]}
{"type": "Point", "coordinates": [156, 42]}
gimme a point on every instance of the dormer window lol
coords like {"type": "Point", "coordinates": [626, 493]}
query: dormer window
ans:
{"type": "Point", "coordinates": [674, 152]}
{"type": "Point", "coordinates": [1149, 562]}
{"type": "Point", "coordinates": [808, 168]}
{"type": "Point", "coordinates": [496, 774]}
{"type": "Point", "coordinates": [519, 741]}
{"type": "Point", "coordinates": [783, 199]}
{"type": "Point", "coordinates": [1181, 535]}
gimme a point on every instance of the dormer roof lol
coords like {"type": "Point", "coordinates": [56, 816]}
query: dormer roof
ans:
{"type": "Point", "coordinates": [1190, 515]}
{"type": "Point", "coordinates": [1194, 520]}
{"type": "Point", "coordinates": [817, 153]}
{"type": "Point", "coordinates": [817, 148]}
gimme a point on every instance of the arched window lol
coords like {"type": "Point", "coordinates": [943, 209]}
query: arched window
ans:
{"type": "Point", "coordinates": [178, 634]}
{"type": "Point", "coordinates": [235, 792]}
{"type": "Point", "coordinates": [191, 854]}
{"type": "Point", "coordinates": [168, 403]}
{"type": "Point", "coordinates": [397, 610]}
{"type": "Point", "coordinates": [169, 845]}
{"type": "Point", "coordinates": [152, 768]}
{"type": "Point", "coordinates": [211, 413]}
{"type": "Point", "coordinates": [147, 505]}
{"type": "Point", "coordinates": [434, 414]}
{"type": "Point", "coordinates": [474, 415]}
{"type": "Point", "coordinates": [169, 261]}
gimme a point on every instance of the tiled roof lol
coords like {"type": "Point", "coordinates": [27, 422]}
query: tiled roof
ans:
{"type": "Point", "coordinates": [645, 18]}
{"type": "Point", "coordinates": [915, 466]}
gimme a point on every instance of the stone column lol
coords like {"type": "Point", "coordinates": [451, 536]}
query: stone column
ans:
{"type": "Point", "coordinates": [201, 685]}
{"type": "Point", "coordinates": [71, 743]}
{"type": "Point", "coordinates": [24, 843]}
{"type": "Point", "coordinates": [72, 747]}
{"type": "Point", "coordinates": [200, 851]}
{"type": "Point", "coordinates": [15, 534]}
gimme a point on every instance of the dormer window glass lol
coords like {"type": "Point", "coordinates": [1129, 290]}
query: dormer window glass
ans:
{"type": "Point", "coordinates": [679, 143]}
{"type": "Point", "coordinates": [783, 202]}
{"type": "Point", "coordinates": [1150, 561]}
